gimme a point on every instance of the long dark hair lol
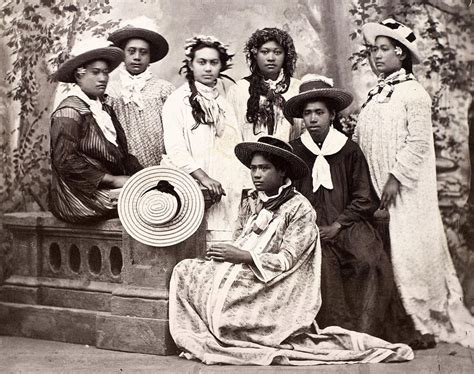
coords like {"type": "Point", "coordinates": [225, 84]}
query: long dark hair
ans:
{"type": "Point", "coordinates": [407, 62]}
{"type": "Point", "coordinates": [224, 57]}
{"type": "Point", "coordinates": [256, 79]}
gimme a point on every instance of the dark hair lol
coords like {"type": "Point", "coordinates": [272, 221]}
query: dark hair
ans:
{"type": "Point", "coordinates": [198, 113]}
{"type": "Point", "coordinates": [407, 62]}
{"type": "Point", "coordinates": [278, 162]}
{"type": "Point", "coordinates": [331, 106]}
{"type": "Point", "coordinates": [256, 79]}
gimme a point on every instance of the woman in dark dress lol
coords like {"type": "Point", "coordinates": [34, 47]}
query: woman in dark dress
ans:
{"type": "Point", "coordinates": [89, 152]}
{"type": "Point", "coordinates": [356, 274]}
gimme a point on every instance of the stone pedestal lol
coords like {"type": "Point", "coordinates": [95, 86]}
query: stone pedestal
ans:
{"type": "Point", "coordinates": [89, 284]}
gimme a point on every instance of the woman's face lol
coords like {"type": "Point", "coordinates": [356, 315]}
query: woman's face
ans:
{"type": "Point", "coordinates": [206, 66]}
{"type": "Point", "coordinates": [265, 176]}
{"type": "Point", "coordinates": [270, 59]}
{"type": "Point", "coordinates": [94, 81]}
{"type": "Point", "coordinates": [317, 119]}
{"type": "Point", "coordinates": [386, 57]}
{"type": "Point", "coordinates": [137, 56]}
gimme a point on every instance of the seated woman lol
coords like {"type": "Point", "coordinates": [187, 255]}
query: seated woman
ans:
{"type": "Point", "coordinates": [356, 276]}
{"type": "Point", "coordinates": [254, 302]}
{"type": "Point", "coordinates": [89, 152]}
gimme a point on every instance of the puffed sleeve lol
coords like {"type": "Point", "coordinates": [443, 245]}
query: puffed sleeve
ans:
{"type": "Point", "coordinates": [418, 140]}
{"type": "Point", "coordinates": [70, 163]}
{"type": "Point", "coordinates": [174, 134]}
{"type": "Point", "coordinates": [299, 239]}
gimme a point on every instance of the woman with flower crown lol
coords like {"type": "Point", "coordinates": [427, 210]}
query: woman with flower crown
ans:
{"type": "Point", "coordinates": [200, 132]}
{"type": "Point", "coordinates": [259, 98]}
{"type": "Point", "coordinates": [395, 133]}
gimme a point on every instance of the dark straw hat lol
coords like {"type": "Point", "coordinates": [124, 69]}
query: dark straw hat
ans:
{"type": "Point", "coordinates": [142, 28]}
{"type": "Point", "coordinates": [315, 87]}
{"type": "Point", "coordinates": [91, 49]}
{"type": "Point", "coordinates": [297, 167]}
{"type": "Point", "coordinates": [395, 30]}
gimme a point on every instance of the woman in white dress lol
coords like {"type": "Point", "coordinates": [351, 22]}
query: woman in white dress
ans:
{"type": "Point", "coordinates": [200, 132]}
{"type": "Point", "coordinates": [395, 133]}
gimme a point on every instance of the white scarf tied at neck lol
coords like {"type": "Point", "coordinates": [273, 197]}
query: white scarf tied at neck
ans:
{"type": "Point", "coordinates": [214, 114]}
{"type": "Point", "coordinates": [333, 143]}
{"type": "Point", "coordinates": [133, 85]}
{"type": "Point", "coordinates": [101, 117]}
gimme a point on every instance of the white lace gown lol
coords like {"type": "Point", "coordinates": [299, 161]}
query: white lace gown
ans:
{"type": "Point", "coordinates": [397, 137]}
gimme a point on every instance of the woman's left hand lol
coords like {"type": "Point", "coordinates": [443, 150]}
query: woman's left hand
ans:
{"type": "Point", "coordinates": [330, 232]}
{"type": "Point", "coordinates": [229, 253]}
{"type": "Point", "coordinates": [390, 192]}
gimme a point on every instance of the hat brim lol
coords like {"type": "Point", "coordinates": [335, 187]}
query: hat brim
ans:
{"type": "Point", "coordinates": [178, 229]}
{"type": "Point", "coordinates": [159, 46]}
{"type": "Point", "coordinates": [113, 55]}
{"type": "Point", "coordinates": [244, 152]}
{"type": "Point", "coordinates": [295, 105]}
{"type": "Point", "coordinates": [372, 29]}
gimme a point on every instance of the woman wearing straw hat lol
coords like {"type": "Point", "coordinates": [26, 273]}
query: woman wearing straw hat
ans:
{"type": "Point", "coordinates": [136, 94]}
{"type": "Point", "coordinates": [253, 302]}
{"type": "Point", "coordinates": [89, 152]}
{"type": "Point", "coordinates": [259, 98]}
{"type": "Point", "coordinates": [200, 132]}
{"type": "Point", "coordinates": [356, 276]}
{"type": "Point", "coordinates": [395, 133]}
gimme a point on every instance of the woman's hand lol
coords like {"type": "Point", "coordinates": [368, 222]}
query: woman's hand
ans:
{"type": "Point", "coordinates": [229, 253]}
{"type": "Point", "coordinates": [330, 232]}
{"type": "Point", "coordinates": [114, 181]}
{"type": "Point", "coordinates": [215, 188]}
{"type": "Point", "coordinates": [390, 192]}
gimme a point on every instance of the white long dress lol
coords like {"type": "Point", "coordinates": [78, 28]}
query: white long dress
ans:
{"type": "Point", "coordinates": [397, 137]}
{"type": "Point", "coordinates": [202, 148]}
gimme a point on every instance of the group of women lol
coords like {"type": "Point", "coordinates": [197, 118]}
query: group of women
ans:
{"type": "Point", "coordinates": [306, 273]}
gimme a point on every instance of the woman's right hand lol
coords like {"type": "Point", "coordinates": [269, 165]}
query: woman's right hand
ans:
{"type": "Point", "coordinates": [390, 192]}
{"type": "Point", "coordinates": [114, 181]}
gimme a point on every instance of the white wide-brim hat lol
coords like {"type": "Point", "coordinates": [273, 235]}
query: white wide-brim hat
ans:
{"type": "Point", "coordinates": [87, 50]}
{"type": "Point", "coordinates": [395, 30]}
{"type": "Point", "coordinates": [161, 206]}
{"type": "Point", "coordinates": [141, 28]}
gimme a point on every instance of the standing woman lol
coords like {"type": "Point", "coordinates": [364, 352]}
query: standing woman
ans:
{"type": "Point", "coordinates": [395, 133]}
{"type": "Point", "coordinates": [200, 132]}
{"type": "Point", "coordinates": [259, 98]}
{"type": "Point", "coordinates": [89, 152]}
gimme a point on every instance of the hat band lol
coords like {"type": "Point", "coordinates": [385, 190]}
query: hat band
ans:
{"type": "Point", "coordinates": [159, 209]}
{"type": "Point", "coordinates": [313, 85]}
{"type": "Point", "coordinates": [395, 25]}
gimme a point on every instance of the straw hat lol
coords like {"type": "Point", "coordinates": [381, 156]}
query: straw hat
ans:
{"type": "Point", "coordinates": [91, 49]}
{"type": "Point", "coordinates": [141, 28]}
{"type": "Point", "coordinates": [395, 30]}
{"type": "Point", "coordinates": [161, 206]}
{"type": "Point", "coordinates": [316, 87]}
{"type": "Point", "coordinates": [244, 152]}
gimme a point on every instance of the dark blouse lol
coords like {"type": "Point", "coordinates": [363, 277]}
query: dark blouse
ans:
{"type": "Point", "coordinates": [80, 156]}
{"type": "Point", "coordinates": [352, 198]}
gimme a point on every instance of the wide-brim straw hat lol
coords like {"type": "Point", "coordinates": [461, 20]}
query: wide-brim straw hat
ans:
{"type": "Point", "coordinates": [297, 167]}
{"type": "Point", "coordinates": [161, 217]}
{"type": "Point", "coordinates": [314, 87]}
{"type": "Point", "coordinates": [88, 50]}
{"type": "Point", "coordinates": [395, 30]}
{"type": "Point", "coordinates": [142, 28]}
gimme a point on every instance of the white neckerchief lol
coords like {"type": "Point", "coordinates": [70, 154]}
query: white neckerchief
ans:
{"type": "Point", "coordinates": [214, 114]}
{"type": "Point", "coordinates": [132, 86]}
{"type": "Point", "coordinates": [333, 143]}
{"type": "Point", "coordinates": [101, 117]}
{"type": "Point", "coordinates": [273, 83]}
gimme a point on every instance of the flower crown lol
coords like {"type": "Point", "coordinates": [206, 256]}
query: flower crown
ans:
{"type": "Point", "coordinates": [189, 44]}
